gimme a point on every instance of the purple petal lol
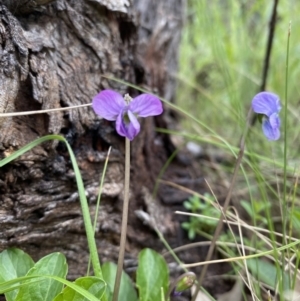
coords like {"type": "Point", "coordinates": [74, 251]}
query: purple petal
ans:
{"type": "Point", "coordinates": [108, 104]}
{"type": "Point", "coordinates": [134, 125]}
{"type": "Point", "coordinates": [127, 129]}
{"type": "Point", "coordinates": [120, 126]}
{"type": "Point", "coordinates": [266, 103]}
{"type": "Point", "coordinates": [146, 105]}
{"type": "Point", "coordinates": [271, 127]}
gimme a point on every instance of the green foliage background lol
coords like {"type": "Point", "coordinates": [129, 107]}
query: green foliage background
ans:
{"type": "Point", "coordinates": [221, 62]}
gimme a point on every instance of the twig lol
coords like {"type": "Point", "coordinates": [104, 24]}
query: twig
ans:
{"type": "Point", "coordinates": [25, 113]}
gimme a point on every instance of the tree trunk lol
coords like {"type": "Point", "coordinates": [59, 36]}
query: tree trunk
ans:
{"type": "Point", "coordinates": [56, 54]}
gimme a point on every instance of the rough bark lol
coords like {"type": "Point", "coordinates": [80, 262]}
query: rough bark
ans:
{"type": "Point", "coordinates": [52, 55]}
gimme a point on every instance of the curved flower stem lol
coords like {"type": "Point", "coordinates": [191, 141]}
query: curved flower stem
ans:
{"type": "Point", "coordinates": [98, 201]}
{"type": "Point", "coordinates": [124, 221]}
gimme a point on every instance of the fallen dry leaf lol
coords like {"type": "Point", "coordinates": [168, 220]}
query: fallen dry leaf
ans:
{"type": "Point", "coordinates": [201, 296]}
{"type": "Point", "coordinates": [236, 293]}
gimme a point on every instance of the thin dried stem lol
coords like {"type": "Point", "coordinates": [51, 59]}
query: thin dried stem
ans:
{"type": "Point", "coordinates": [124, 221]}
{"type": "Point", "coordinates": [25, 113]}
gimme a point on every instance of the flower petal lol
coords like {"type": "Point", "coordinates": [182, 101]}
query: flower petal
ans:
{"type": "Point", "coordinates": [108, 104]}
{"type": "Point", "coordinates": [266, 103]}
{"type": "Point", "coordinates": [271, 127]}
{"type": "Point", "coordinates": [274, 121]}
{"type": "Point", "coordinates": [129, 130]}
{"type": "Point", "coordinates": [120, 125]}
{"type": "Point", "coordinates": [146, 105]}
{"type": "Point", "coordinates": [133, 128]}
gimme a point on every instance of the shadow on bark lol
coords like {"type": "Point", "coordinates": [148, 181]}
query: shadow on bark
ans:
{"type": "Point", "coordinates": [53, 54]}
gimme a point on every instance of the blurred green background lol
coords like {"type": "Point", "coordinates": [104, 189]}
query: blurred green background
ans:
{"type": "Point", "coordinates": [221, 64]}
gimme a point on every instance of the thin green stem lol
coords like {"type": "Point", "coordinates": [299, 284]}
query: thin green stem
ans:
{"type": "Point", "coordinates": [86, 217]}
{"type": "Point", "coordinates": [285, 133]}
{"type": "Point", "coordinates": [284, 213]}
{"type": "Point", "coordinates": [98, 201]}
{"type": "Point", "coordinates": [261, 181]}
{"type": "Point", "coordinates": [291, 229]}
{"type": "Point", "coordinates": [285, 138]}
{"type": "Point", "coordinates": [163, 170]}
{"type": "Point", "coordinates": [170, 250]}
{"type": "Point", "coordinates": [100, 188]}
{"type": "Point", "coordinates": [124, 221]}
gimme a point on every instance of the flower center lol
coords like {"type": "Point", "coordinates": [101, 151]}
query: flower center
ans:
{"type": "Point", "coordinates": [127, 99]}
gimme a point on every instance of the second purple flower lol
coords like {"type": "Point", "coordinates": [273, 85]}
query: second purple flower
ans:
{"type": "Point", "coordinates": [124, 110]}
{"type": "Point", "coordinates": [268, 105]}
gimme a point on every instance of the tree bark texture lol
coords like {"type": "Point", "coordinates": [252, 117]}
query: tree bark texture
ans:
{"type": "Point", "coordinates": [53, 55]}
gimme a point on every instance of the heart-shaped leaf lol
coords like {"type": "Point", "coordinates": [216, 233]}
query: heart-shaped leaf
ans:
{"type": "Point", "coordinates": [152, 275]}
{"type": "Point", "coordinates": [46, 289]}
{"type": "Point", "coordinates": [14, 263]}
{"type": "Point", "coordinates": [127, 291]}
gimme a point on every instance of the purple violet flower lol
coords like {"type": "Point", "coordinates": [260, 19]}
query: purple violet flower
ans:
{"type": "Point", "coordinates": [268, 104]}
{"type": "Point", "coordinates": [124, 110]}
{"type": "Point", "coordinates": [176, 294]}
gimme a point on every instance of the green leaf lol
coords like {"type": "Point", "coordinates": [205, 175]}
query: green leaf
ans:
{"type": "Point", "coordinates": [187, 205]}
{"type": "Point", "coordinates": [186, 225]}
{"type": "Point", "coordinates": [248, 208]}
{"type": "Point", "coordinates": [21, 281]}
{"type": "Point", "coordinates": [152, 274]}
{"type": "Point", "coordinates": [93, 285]}
{"type": "Point", "coordinates": [14, 263]}
{"type": "Point", "coordinates": [53, 264]}
{"type": "Point", "coordinates": [127, 291]}
{"type": "Point", "coordinates": [83, 201]}
{"type": "Point", "coordinates": [266, 272]}
{"type": "Point", "coordinates": [191, 234]}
